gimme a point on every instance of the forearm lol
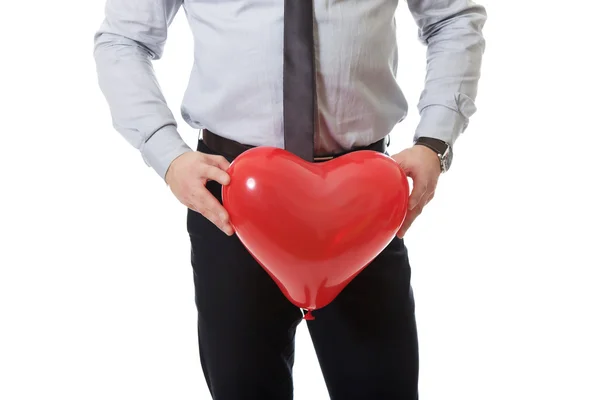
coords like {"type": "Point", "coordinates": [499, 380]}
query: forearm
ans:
{"type": "Point", "coordinates": [124, 51]}
{"type": "Point", "coordinates": [455, 46]}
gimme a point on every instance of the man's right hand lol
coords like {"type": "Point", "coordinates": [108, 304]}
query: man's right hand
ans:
{"type": "Point", "coordinates": [187, 177]}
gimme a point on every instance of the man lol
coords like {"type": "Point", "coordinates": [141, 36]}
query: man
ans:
{"type": "Point", "coordinates": [251, 85]}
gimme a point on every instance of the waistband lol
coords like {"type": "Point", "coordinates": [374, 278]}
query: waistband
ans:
{"type": "Point", "coordinates": [231, 148]}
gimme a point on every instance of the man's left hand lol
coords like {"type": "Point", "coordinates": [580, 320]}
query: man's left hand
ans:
{"type": "Point", "coordinates": [422, 165]}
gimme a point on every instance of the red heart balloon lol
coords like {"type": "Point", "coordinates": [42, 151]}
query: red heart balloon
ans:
{"type": "Point", "coordinates": [314, 226]}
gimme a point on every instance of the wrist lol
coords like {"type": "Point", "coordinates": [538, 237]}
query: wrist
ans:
{"type": "Point", "coordinates": [440, 148]}
{"type": "Point", "coordinates": [171, 169]}
{"type": "Point", "coordinates": [164, 146]}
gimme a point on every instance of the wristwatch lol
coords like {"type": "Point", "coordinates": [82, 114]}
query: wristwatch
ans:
{"type": "Point", "coordinates": [441, 148]}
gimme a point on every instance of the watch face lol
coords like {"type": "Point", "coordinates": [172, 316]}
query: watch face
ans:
{"type": "Point", "coordinates": [445, 166]}
{"type": "Point", "coordinates": [447, 160]}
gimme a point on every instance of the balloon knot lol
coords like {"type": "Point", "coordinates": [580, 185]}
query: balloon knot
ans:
{"type": "Point", "coordinates": [308, 316]}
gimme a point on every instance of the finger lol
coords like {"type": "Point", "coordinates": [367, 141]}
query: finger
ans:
{"type": "Point", "coordinates": [411, 216]}
{"type": "Point", "coordinates": [214, 218]}
{"type": "Point", "coordinates": [419, 185]}
{"type": "Point", "coordinates": [429, 198]}
{"type": "Point", "coordinates": [400, 159]}
{"type": "Point", "coordinates": [208, 214]}
{"type": "Point", "coordinates": [419, 190]}
{"type": "Point", "coordinates": [218, 161]}
{"type": "Point", "coordinates": [213, 173]}
{"type": "Point", "coordinates": [206, 204]}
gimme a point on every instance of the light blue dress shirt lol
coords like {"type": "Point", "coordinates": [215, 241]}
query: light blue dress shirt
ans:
{"type": "Point", "coordinates": [235, 86]}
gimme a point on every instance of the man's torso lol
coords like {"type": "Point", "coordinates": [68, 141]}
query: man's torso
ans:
{"type": "Point", "coordinates": [235, 87]}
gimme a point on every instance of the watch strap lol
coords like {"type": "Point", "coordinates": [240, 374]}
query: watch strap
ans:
{"type": "Point", "coordinates": [437, 145]}
{"type": "Point", "coordinates": [441, 148]}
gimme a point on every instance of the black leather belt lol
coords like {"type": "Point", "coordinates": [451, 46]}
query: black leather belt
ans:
{"type": "Point", "coordinates": [231, 148]}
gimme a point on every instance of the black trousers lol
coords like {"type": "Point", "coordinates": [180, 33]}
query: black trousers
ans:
{"type": "Point", "coordinates": [365, 340]}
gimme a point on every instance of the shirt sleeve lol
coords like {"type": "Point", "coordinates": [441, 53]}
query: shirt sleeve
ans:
{"type": "Point", "coordinates": [132, 35]}
{"type": "Point", "coordinates": [452, 31]}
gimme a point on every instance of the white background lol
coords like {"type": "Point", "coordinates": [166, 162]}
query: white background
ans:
{"type": "Point", "coordinates": [96, 294]}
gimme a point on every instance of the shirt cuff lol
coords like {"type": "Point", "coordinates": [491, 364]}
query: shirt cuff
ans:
{"type": "Point", "coordinates": [440, 122]}
{"type": "Point", "coordinates": [164, 146]}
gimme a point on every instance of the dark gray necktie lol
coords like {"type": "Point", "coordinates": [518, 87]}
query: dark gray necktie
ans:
{"type": "Point", "coordinates": [299, 92]}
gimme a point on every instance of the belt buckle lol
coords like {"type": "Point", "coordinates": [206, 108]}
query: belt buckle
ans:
{"type": "Point", "coordinates": [323, 158]}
